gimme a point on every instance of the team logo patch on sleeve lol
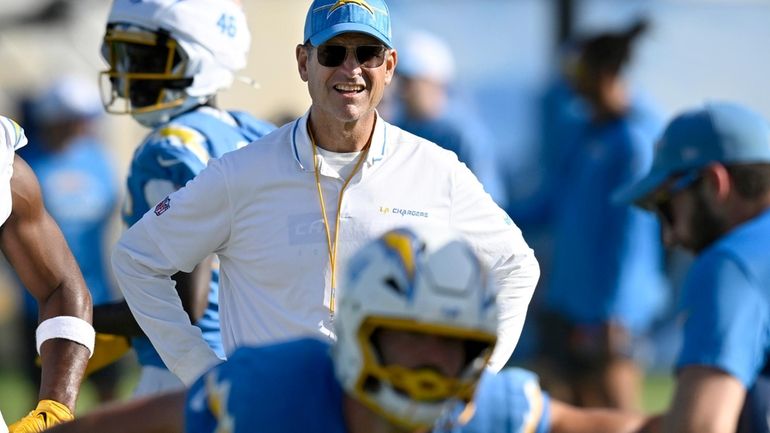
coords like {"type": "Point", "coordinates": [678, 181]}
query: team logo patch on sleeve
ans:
{"type": "Point", "coordinates": [162, 206]}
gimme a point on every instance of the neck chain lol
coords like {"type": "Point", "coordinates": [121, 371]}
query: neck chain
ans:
{"type": "Point", "coordinates": [332, 246]}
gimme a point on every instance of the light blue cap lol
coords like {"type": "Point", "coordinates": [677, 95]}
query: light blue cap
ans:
{"type": "Point", "coordinates": [719, 132]}
{"type": "Point", "coordinates": [329, 18]}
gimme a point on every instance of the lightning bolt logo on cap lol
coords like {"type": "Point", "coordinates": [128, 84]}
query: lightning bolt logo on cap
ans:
{"type": "Point", "coordinates": [341, 3]}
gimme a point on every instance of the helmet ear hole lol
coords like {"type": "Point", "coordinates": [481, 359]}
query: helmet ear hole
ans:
{"type": "Point", "coordinates": [393, 284]}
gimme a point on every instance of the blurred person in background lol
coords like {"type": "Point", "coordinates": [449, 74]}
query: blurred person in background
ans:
{"type": "Point", "coordinates": [38, 253]}
{"type": "Point", "coordinates": [427, 105]}
{"type": "Point", "coordinates": [167, 62]}
{"type": "Point", "coordinates": [710, 187]}
{"type": "Point", "coordinates": [79, 189]}
{"type": "Point", "coordinates": [533, 193]}
{"type": "Point", "coordinates": [607, 281]}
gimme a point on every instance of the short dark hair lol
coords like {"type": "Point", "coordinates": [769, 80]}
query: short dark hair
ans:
{"type": "Point", "coordinates": [752, 181]}
{"type": "Point", "coordinates": [611, 51]}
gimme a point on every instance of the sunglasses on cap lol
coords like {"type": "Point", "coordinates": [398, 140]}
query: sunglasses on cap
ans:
{"type": "Point", "coordinates": [368, 56]}
{"type": "Point", "coordinates": [662, 201]}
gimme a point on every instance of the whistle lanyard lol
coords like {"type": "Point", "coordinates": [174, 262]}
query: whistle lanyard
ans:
{"type": "Point", "coordinates": [332, 246]}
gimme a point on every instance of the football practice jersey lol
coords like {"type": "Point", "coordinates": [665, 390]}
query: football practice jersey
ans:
{"type": "Point", "coordinates": [169, 157]}
{"type": "Point", "coordinates": [508, 402]}
{"type": "Point", "coordinates": [291, 388]}
{"type": "Point", "coordinates": [282, 388]}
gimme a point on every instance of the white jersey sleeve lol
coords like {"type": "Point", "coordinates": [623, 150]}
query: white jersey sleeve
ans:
{"type": "Point", "coordinates": [3, 427]}
{"type": "Point", "coordinates": [500, 244]}
{"type": "Point", "coordinates": [12, 137]}
{"type": "Point", "coordinates": [176, 235]}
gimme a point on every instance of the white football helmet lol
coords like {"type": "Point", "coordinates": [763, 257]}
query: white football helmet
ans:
{"type": "Point", "coordinates": [416, 281]}
{"type": "Point", "coordinates": [167, 56]}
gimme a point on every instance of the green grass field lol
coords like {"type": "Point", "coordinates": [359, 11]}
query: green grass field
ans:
{"type": "Point", "coordinates": [657, 392]}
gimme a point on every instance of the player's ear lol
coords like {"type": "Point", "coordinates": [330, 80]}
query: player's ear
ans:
{"type": "Point", "coordinates": [390, 65]}
{"type": "Point", "coordinates": [718, 181]}
{"type": "Point", "coordinates": [303, 57]}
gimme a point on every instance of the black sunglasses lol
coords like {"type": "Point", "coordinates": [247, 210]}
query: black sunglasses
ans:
{"type": "Point", "coordinates": [368, 56]}
{"type": "Point", "coordinates": [662, 201]}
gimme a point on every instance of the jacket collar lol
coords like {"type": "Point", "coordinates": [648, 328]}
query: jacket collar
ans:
{"type": "Point", "coordinates": [303, 151]}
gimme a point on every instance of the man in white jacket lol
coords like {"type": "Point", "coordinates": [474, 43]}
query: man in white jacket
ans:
{"type": "Point", "coordinates": [284, 211]}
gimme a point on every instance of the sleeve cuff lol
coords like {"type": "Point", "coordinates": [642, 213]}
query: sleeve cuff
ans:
{"type": "Point", "coordinates": [194, 363]}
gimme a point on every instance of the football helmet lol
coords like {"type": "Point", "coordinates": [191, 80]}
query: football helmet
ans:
{"type": "Point", "coordinates": [420, 282]}
{"type": "Point", "coordinates": [167, 56]}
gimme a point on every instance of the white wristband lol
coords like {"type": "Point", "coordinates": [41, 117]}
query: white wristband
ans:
{"type": "Point", "coordinates": [69, 328]}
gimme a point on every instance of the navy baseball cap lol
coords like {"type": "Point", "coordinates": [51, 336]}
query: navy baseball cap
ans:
{"type": "Point", "coordinates": [719, 132]}
{"type": "Point", "coordinates": [329, 18]}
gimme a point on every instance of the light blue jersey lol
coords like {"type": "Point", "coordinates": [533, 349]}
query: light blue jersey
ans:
{"type": "Point", "coordinates": [169, 157]}
{"type": "Point", "coordinates": [726, 306]}
{"type": "Point", "coordinates": [280, 388]}
{"type": "Point", "coordinates": [508, 402]}
{"type": "Point", "coordinates": [291, 388]}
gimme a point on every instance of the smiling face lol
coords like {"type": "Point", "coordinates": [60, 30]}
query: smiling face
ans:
{"type": "Point", "coordinates": [349, 92]}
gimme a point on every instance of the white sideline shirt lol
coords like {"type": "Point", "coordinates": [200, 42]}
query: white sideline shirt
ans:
{"type": "Point", "coordinates": [257, 208]}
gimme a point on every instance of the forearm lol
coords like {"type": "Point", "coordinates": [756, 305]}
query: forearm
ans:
{"type": "Point", "coordinates": [706, 400]}
{"type": "Point", "coordinates": [69, 298]}
{"type": "Point", "coordinates": [64, 362]}
{"type": "Point", "coordinates": [116, 318]}
{"type": "Point", "coordinates": [567, 419]}
{"type": "Point", "coordinates": [653, 424]}
{"type": "Point", "coordinates": [605, 421]}
{"type": "Point", "coordinates": [156, 306]}
{"type": "Point", "coordinates": [159, 414]}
